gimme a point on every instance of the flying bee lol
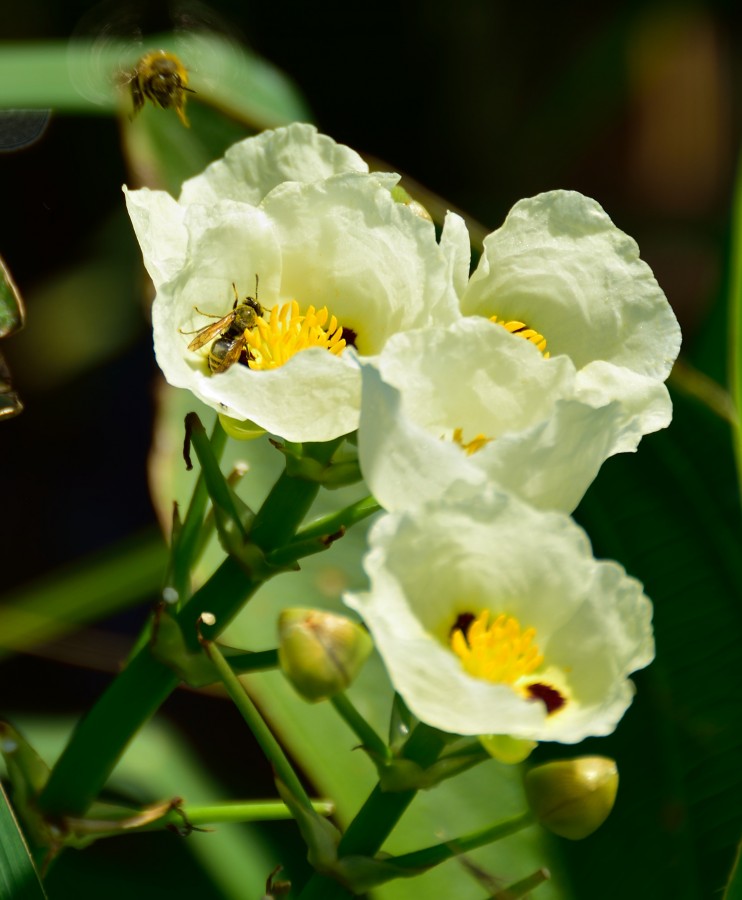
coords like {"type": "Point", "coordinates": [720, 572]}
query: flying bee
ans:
{"type": "Point", "coordinates": [162, 78]}
{"type": "Point", "coordinates": [228, 334]}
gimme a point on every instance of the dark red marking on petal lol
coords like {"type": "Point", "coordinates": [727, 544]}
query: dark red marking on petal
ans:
{"type": "Point", "coordinates": [548, 695]}
{"type": "Point", "coordinates": [462, 623]}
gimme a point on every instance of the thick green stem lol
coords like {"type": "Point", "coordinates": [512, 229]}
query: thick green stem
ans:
{"type": "Point", "coordinates": [188, 540]}
{"type": "Point", "coordinates": [135, 695]}
{"type": "Point", "coordinates": [378, 816]}
{"type": "Point", "coordinates": [102, 735]}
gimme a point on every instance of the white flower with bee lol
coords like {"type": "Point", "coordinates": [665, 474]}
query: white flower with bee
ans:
{"type": "Point", "coordinates": [339, 263]}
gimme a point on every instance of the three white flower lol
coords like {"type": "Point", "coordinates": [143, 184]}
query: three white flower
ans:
{"type": "Point", "coordinates": [457, 417]}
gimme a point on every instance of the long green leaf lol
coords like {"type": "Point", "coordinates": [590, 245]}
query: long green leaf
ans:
{"type": "Point", "coordinates": [669, 515]}
{"type": "Point", "coordinates": [735, 316]}
{"type": "Point", "coordinates": [18, 877]}
{"type": "Point", "coordinates": [84, 593]}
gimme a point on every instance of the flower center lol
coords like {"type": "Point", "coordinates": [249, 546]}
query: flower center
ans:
{"type": "Point", "coordinates": [504, 653]}
{"type": "Point", "coordinates": [499, 652]}
{"type": "Point", "coordinates": [273, 342]}
{"type": "Point", "coordinates": [522, 330]}
{"type": "Point", "coordinates": [471, 446]}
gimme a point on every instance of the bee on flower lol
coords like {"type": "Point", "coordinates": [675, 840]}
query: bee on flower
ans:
{"type": "Point", "coordinates": [342, 268]}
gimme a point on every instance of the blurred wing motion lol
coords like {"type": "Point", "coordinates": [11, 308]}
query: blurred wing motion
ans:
{"type": "Point", "coordinates": [142, 51]}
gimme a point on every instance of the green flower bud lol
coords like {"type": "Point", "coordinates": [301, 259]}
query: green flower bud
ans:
{"type": "Point", "coordinates": [573, 797]}
{"type": "Point", "coordinates": [241, 430]}
{"type": "Point", "coordinates": [320, 652]}
{"type": "Point", "coordinates": [507, 749]}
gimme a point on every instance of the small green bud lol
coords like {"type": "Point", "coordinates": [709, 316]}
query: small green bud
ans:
{"type": "Point", "coordinates": [240, 430]}
{"type": "Point", "coordinates": [506, 749]}
{"type": "Point", "coordinates": [573, 797]}
{"type": "Point", "coordinates": [320, 653]}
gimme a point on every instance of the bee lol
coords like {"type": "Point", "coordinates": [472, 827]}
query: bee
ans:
{"type": "Point", "coordinates": [228, 334]}
{"type": "Point", "coordinates": [162, 78]}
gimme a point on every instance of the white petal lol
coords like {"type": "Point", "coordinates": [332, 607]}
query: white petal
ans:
{"type": "Point", "coordinates": [251, 168]}
{"type": "Point", "coordinates": [646, 402]}
{"type": "Point", "coordinates": [455, 244]}
{"type": "Point", "coordinates": [543, 445]}
{"type": "Point", "coordinates": [347, 245]}
{"type": "Point", "coordinates": [559, 264]}
{"type": "Point", "coordinates": [158, 225]}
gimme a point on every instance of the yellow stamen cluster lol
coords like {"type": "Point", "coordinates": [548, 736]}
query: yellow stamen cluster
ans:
{"type": "Point", "coordinates": [522, 330]}
{"type": "Point", "coordinates": [471, 446]}
{"type": "Point", "coordinates": [273, 342]}
{"type": "Point", "coordinates": [500, 652]}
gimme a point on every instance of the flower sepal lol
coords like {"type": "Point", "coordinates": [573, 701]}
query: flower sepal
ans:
{"type": "Point", "coordinates": [341, 471]}
{"type": "Point", "coordinates": [400, 774]}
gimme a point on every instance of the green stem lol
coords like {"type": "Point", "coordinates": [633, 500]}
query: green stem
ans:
{"type": "Point", "coordinates": [216, 483]}
{"type": "Point", "coordinates": [186, 546]}
{"type": "Point", "coordinates": [343, 518]}
{"type": "Point", "coordinates": [259, 661]}
{"type": "Point", "coordinates": [102, 735]}
{"type": "Point", "coordinates": [523, 887]}
{"type": "Point", "coordinates": [257, 725]}
{"type": "Point", "coordinates": [378, 815]}
{"type": "Point", "coordinates": [134, 696]}
{"type": "Point", "coordinates": [438, 853]}
{"type": "Point", "coordinates": [318, 535]}
{"type": "Point", "coordinates": [181, 817]}
{"type": "Point", "coordinates": [365, 733]}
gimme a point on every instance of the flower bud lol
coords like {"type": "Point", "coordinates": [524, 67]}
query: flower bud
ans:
{"type": "Point", "coordinates": [573, 797]}
{"type": "Point", "coordinates": [507, 749]}
{"type": "Point", "coordinates": [241, 430]}
{"type": "Point", "coordinates": [320, 653]}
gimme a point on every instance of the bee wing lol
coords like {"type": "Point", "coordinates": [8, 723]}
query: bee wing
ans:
{"type": "Point", "coordinates": [211, 331]}
{"type": "Point", "coordinates": [230, 357]}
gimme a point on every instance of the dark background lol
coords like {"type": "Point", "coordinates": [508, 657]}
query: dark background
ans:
{"type": "Point", "coordinates": [483, 102]}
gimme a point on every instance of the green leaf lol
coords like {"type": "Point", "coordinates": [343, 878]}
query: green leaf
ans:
{"type": "Point", "coordinates": [734, 886]}
{"type": "Point", "coordinates": [18, 877]}
{"type": "Point", "coordinates": [669, 516]}
{"type": "Point", "coordinates": [735, 315]}
{"type": "Point", "coordinates": [83, 593]}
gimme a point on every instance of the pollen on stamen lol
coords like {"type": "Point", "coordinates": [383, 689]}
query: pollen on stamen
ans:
{"type": "Point", "coordinates": [522, 330]}
{"type": "Point", "coordinates": [273, 342]}
{"type": "Point", "coordinates": [472, 446]}
{"type": "Point", "coordinates": [501, 652]}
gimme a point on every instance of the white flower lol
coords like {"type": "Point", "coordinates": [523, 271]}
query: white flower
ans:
{"type": "Point", "coordinates": [494, 618]}
{"type": "Point", "coordinates": [560, 267]}
{"type": "Point", "coordinates": [470, 403]}
{"type": "Point", "coordinates": [303, 214]}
